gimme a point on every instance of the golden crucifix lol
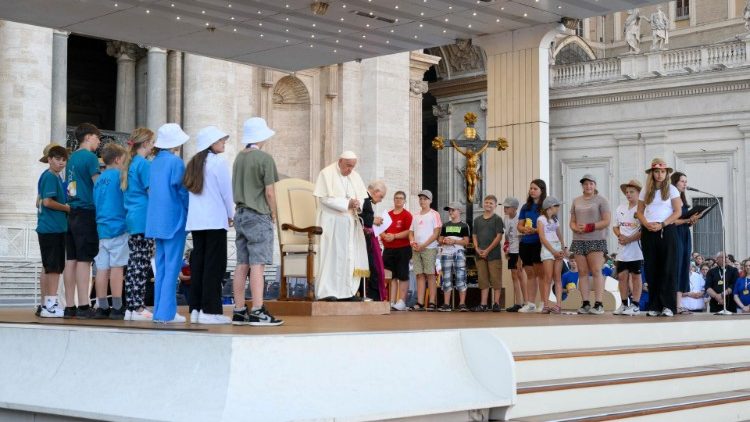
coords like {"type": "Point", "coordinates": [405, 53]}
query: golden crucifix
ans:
{"type": "Point", "coordinates": [473, 149]}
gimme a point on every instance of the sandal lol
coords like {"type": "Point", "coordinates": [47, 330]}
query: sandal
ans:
{"type": "Point", "coordinates": [417, 307]}
{"type": "Point", "coordinates": [555, 310]}
{"type": "Point", "coordinates": [546, 310]}
{"type": "Point", "coordinates": [431, 307]}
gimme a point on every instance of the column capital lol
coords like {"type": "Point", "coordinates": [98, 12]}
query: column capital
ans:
{"type": "Point", "coordinates": [122, 50]}
{"type": "Point", "coordinates": [442, 110]}
{"type": "Point", "coordinates": [417, 87]}
{"type": "Point", "coordinates": [60, 33]}
{"type": "Point", "coordinates": [155, 50]}
{"type": "Point", "coordinates": [419, 63]}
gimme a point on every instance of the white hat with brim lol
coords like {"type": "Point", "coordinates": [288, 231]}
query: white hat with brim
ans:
{"type": "Point", "coordinates": [170, 135]}
{"type": "Point", "coordinates": [255, 130]}
{"type": "Point", "coordinates": [207, 137]}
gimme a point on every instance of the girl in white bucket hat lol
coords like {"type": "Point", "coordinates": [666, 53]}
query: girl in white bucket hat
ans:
{"type": "Point", "coordinates": [165, 219]}
{"type": "Point", "coordinates": [210, 214]}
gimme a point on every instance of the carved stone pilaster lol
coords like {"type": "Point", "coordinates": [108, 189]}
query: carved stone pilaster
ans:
{"type": "Point", "coordinates": [442, 110]}
{"type": "Point", "coordinates": [419, 63]}
{"type": "Point", "coordinates": [417, 88]}
{"type": "Point", "coordinates": [126, 54]}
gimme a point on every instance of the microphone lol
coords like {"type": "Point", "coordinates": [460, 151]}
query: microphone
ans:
{"type": "Point", "coordinates": [690, 188]}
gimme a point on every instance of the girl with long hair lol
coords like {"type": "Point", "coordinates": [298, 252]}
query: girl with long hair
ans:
{"type": "Point", "coordinates": [658, 208]}
{"type": "Point", "coordinates": [210, 213]}
{"type": "Point", "coordinates": [530, 248]}
{"type": "Point", "coordinates": [135, 182]}
{"type": "Point", "coordinates": [684, 243]}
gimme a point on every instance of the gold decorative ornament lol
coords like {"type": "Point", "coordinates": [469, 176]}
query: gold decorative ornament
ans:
{"type": "Point", "coordinates": [502, 144]}
{"type": "Point", "coordinates": [438, 143]}
{"type": "Point", "coordinates": [470, 133]}
{"type": "Point", "coordinates": [470, 119]}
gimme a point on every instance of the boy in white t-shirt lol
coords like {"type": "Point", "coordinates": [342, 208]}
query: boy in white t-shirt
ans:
{"type": "Point", "coordinates": [425, 229]}
{"type": "Point", "coordinates": [510, 247]}
{"type": "Point", "coordinates": [629, 262]}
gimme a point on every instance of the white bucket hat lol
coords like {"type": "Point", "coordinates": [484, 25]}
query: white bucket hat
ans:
{"type": "Point", "coordinates": [255, 130]}
{"type": "Point", "coordinates": [170, 135]}
{"type": "Point", "coordinates": [207, 136]}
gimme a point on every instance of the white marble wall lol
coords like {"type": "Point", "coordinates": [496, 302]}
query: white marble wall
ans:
{"type": "Point", "coordinates": [25, 113]}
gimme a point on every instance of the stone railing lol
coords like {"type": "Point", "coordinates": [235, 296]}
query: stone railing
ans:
{"type": "Point", "coordinates": [659, 63]}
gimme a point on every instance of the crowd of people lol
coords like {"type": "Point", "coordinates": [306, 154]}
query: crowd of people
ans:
{"type": "Point", "coordinates": [131, 219]}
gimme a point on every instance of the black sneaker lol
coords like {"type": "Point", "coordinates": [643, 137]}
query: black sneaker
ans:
{"type": "Point", "coordinates": [479, 308]}
{"type": "Point", "coordinates": [513, 308]}
{"type": "Point", "coordinates": [431, 307]}
{"type": "Point", "coordinates": [261, 317]}
{"type": "Point", "coordinates": [444, 308]}
{"type": "Point", "coordinates": [69, 312]}
{"type": "Point", "coordinates": [100, 313]}
{"type": "Point", "coordinates": [38, 310]}
{"type": "Point", "coordinates": [84, 312]}
{"type": "Point", "coordinates": [240, 317]}
{"type": "Point", "coordinates": [462, 308]}
{"type": "Point", "coordinates": [117, 314]}
{"type": "Point", "coordinates": [496, 307]}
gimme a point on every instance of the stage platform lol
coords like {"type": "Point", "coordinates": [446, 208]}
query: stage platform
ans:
{"type": "Point", "coordinates": [427, 366]}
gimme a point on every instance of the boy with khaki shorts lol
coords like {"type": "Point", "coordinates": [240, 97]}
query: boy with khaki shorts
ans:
{"type": "Point", "coordinates": [487, 237]}
{"type": "Point", "coordinates": [425, 229]}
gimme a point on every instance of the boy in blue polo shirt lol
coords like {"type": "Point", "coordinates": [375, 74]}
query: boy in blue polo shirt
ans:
{"type": "Point", "coordinates": [113, 237]}
{"type": "Point", "coordinates": [81, 241]}
{"type": "Point", "coordinates": [52, 223]}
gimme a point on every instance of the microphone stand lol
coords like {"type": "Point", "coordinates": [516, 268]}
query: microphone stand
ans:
{"type": "Point", "coordinates": [723, 267]}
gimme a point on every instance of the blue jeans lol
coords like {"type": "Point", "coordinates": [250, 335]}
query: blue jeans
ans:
{"type": "Point", "coordinates": [450, 263]}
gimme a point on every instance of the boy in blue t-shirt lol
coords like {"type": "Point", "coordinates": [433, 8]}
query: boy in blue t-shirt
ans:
{"type": "Point", "coordinates": [742, 291]}
{"type": "Point", "coordinates": [52, 224]}
{"type": "Point", "coordinates": [112, 230]}
{"type": "Point", "coordinates": [81, 241]}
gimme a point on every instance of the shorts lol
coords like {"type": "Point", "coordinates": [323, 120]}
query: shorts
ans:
{"type": "Point", "coordinates": [512, 261]}
{"type": "Point", "coordinates": [585, 247]}
{"type": "Point", "coordinates": [633, 267]}
{"type": "Point", "coordinates": [454, 271]}
{"type": "Point", "coordinates": [113, 252]}
{"type": "Point", "coordinates": [424, 261]}
{"type": "Point", "coordinates": [397, 261]}
{"type": "Point", "coordinates": [52, 248]}
{"type": "Point", "coordinates": [82, 241]}
{"type": "Point", "coordinates": [489, 273]}
{"type": "Point", "coordinates": [530, 253]}
{"type": "Point", "coordinates": [546, 254]}
{"type": "Point", "coordinates": [254, 239]}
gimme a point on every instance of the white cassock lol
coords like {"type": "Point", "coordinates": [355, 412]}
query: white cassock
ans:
{"type": "Point", "coordinates": [342, 256]}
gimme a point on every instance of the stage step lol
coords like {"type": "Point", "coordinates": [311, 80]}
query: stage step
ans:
{"type": "Point", "coordinates": [550, 365]}
{"type": "Point", "coordinates": [724, 406]}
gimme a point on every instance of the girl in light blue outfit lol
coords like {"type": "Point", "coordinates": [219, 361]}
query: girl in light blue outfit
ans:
{"type": "Point", "coordinates": [165, 219]}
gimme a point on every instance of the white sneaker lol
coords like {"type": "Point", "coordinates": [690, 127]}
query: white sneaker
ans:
{"type": "Point", "coordinates": [144, 315]}
{"type": "Point", "coordinates": [621, 310]}
{"type": "Point", "coordinates": [667, 312]}
{"type": "Point", "coordinates": [178, 319]}
{"type": "Point", "coordinates": [214, 319]}
{"type": "Point", "coordinates": [652, 313]}
{"type": "Point", "coordinates": [632, 310]}
{"type": "Point", "coordinates": [399, 306]}
{"type": "Point", "coordinates": [55, 311]}
{"type": "Point", "coordinates": [528, 308]}
{"type": "Point", "coordinates": [194, 316]}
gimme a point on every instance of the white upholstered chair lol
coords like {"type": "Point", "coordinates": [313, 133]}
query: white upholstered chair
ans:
{"type": "Point", "coordinates": [297, 210]}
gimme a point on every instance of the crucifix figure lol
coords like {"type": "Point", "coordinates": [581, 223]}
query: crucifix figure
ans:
{"type": "Point", "coordinates": [472, 148]}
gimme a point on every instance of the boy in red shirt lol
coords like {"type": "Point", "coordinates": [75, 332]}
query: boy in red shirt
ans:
{"type": "Point", "coordinates": [397, 251]}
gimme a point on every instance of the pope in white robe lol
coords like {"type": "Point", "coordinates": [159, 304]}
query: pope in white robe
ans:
{"type": "Point", "coordinates": [342, 254]}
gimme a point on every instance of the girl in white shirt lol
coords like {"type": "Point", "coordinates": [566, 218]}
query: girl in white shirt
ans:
{"type": "Point", "coordinates": [550, 236]}
{"type": "Point", "coordinates": [210, 213]}
{"type": "Point", "coordinates": [658, 207]}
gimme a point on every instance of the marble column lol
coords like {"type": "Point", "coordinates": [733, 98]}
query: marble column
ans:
{"type": "Point", "coordinates": [125, 53]}
{"type": "Point", "coordinates": [26, 63]}
{"type": "Point", "coordinates": [59, 113]}
{"type": "Point", "coordinates": [266, 95]}
{"type": "Point", "coordinates": [156, 97]}
{"type": "Point", "coordinates": [331, 79]}
{"type": "Point", "coordinates": [174, 87]}
{"type": "Point", "coordinates": [419, 63]}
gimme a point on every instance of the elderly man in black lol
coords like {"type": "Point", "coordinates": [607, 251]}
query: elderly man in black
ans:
{"type": "Point", "coordinates": [715, 285]}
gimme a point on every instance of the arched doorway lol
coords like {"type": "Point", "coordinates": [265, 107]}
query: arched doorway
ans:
{"type": "Point", "coordinates": [291, 120]}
